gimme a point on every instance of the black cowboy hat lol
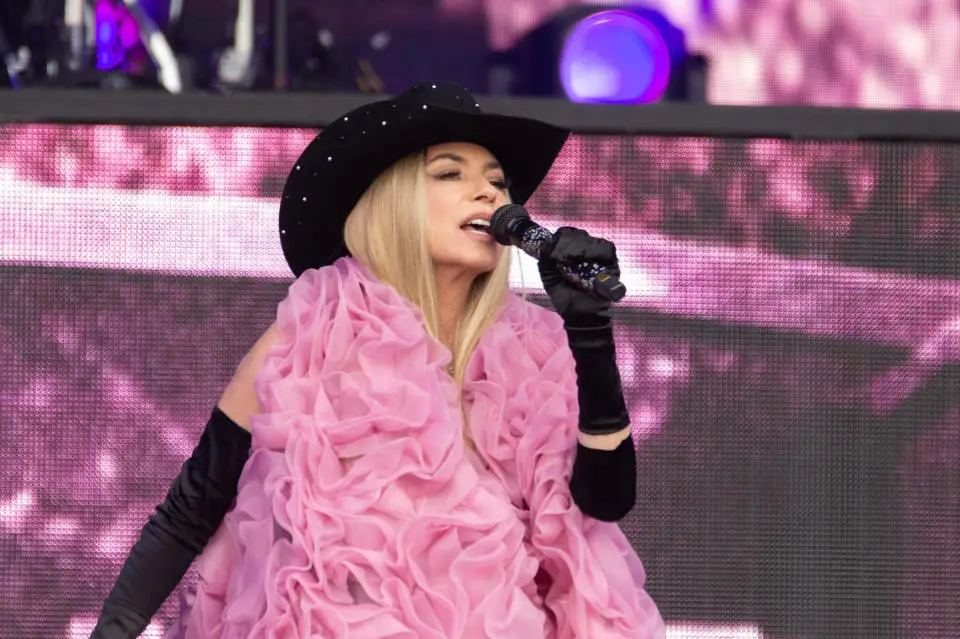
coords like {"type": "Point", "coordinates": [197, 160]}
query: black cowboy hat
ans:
{"type": "Point", "coordinates": [338, 166]}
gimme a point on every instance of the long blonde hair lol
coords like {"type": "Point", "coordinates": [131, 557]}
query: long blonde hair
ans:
{"type": "Point", "coordinates": [387, 233]}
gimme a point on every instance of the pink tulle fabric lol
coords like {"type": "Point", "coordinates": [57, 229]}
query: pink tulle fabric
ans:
{"type": "Point", "coordinates": [363, 514]}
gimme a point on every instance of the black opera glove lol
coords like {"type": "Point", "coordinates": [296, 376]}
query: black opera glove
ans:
{"type": "Point", "coordinates": [586, 318]}
{"type": "Point", "coordinates": [569, 247]}
{"type": "Point", "coordinates": [178, 531]}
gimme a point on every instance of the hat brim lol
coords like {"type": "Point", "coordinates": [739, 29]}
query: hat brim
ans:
{"type": "Point", "coordinates": [333, 172]}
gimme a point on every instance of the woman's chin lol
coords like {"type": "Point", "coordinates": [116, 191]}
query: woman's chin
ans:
{"type": "Point", "coordinates": [468, 265]}
{"type": "Point", "coordinates": [483, 264]}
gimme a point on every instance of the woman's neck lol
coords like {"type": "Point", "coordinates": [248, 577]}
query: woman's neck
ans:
{"type": "Point", "coordinates": [452, 292]}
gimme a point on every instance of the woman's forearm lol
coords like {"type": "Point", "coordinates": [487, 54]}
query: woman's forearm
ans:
{"type": "Point", "coordinates": [604, 481]}
{"type": "Point", "coordinates": [604, 442]}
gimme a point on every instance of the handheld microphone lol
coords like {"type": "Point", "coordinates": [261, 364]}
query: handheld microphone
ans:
{"type": "Point", "coordinates": [511, 225]}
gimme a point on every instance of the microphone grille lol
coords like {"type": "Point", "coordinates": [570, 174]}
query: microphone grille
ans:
{"type": "Point", "coordinates": [503, 219]}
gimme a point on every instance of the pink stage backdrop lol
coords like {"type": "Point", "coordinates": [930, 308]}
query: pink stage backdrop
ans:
{"type": "Point", "coordinates": [854, 53]}
{"type": "Point", "coordinates": [844, 53]}
{"type": "Point", "coordinates": [790, 349]}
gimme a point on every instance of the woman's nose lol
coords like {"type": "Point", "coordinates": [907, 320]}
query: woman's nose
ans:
{"type": "Point", "coordinates": [486, 192]}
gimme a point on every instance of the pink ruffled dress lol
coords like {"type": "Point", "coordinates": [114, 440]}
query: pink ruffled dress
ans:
{"type": "Point", "coordinates": [361, 512]}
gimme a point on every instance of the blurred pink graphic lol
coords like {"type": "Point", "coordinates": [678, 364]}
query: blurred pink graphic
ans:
{"type": "Point", "coordinates": [852, 53]}
{"type": "Point", "coordinates": [789, 353]}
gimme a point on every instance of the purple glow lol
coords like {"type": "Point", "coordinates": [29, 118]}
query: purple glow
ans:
{"type": "Point", "coordinates": [615, 57]}
{"type": "Point", "coordinates": [117, 33]}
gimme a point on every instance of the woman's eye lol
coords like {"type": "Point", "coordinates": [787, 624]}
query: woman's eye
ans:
{"type": "Point", "coordinates": [501, 183]}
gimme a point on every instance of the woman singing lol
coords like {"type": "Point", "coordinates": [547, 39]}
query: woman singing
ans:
{"type": "Point", "coordinates": [410, 451]}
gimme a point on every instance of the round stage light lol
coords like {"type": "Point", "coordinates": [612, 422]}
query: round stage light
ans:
{"type": "Point", "coordinates": [614, 57]}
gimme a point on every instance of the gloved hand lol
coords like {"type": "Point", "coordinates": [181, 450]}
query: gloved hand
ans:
{"type": "Point", "coordinates": [586, 318]}
{"type": "Point", "coordinates": [195, 506]}
{"type": "Point", "coordinates": [570, 247]}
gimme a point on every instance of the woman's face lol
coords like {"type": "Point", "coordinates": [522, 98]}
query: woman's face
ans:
{"type": "Point", "coordinates": [465, 185]}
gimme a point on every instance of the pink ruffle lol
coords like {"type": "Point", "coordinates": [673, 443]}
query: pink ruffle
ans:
{"type": "Point", "coordinates": [362, 514]}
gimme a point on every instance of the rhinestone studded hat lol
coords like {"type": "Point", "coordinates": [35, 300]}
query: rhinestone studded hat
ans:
{"type": "Point", "coordinates": [336, 168]}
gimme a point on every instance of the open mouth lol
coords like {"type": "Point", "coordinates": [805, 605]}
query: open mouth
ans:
{"type": "Point", "coordinates": [478, 228]}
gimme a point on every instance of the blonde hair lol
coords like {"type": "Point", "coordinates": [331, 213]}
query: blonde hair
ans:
{"type": "Point", "coordinates": [387, 233]}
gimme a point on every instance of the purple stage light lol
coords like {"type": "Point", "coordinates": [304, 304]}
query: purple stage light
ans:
{"type": "Point", "coordinates": [117, 34]}
{"type": "Point", "coordinates": [615, 57]}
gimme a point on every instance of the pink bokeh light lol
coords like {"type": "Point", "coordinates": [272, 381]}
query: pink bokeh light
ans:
{"type": "Point", "coordinates": [852, 53]}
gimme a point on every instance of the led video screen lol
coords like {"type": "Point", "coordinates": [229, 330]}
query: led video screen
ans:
{"type": "Point", "coordinates": [790, 349]}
